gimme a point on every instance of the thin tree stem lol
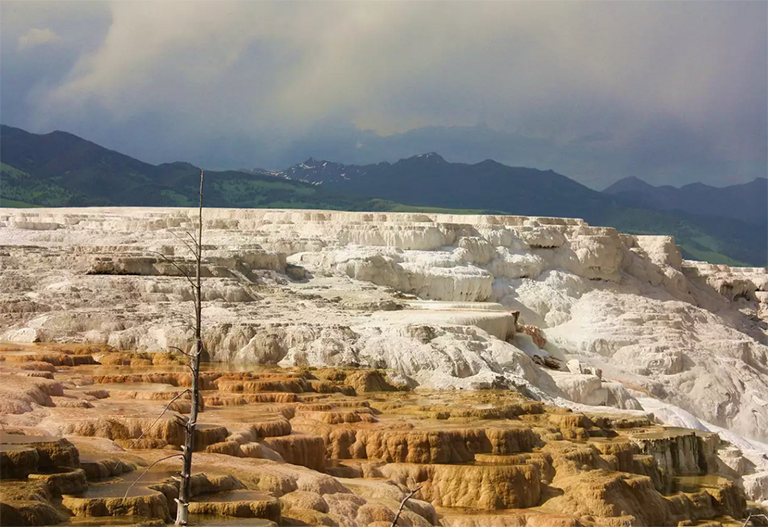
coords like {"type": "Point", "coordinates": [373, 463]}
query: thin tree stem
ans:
{"type": "Point", "coordinates": [185, 242]}
{"type": "Point", "coordinates": [147, 470]}
{"type": "Point", "coordinates": [180, 351]}
{"type": "Point", "coordinates": [182, 271]}
{"type": "Point", "coordinates": [163, 412]}
{"type": "Point", "coordinates": [754, 516]}
{"type": "Point", "coordinates": [402, 504]}
{"type": "Point", "coordinates": [185, 487]}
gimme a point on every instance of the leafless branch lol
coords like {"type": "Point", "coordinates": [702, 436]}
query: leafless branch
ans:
{"type": "Point", "coordinates": [747, 521]}
{"type": "Point", "coordinates": [402, 505]}
{"type": "Point", "coordinates": [147, 470]}
{"type": "Point", "coordinates": [163, 412]}
{"type": "Point", "coordinates": [180, 351]}
{"type": "Point", "coordinates": [182, 271]}
{"type": "Point", "coordinates": [194, 242]}
{"type": "Point", "coordinates": [185, 242]}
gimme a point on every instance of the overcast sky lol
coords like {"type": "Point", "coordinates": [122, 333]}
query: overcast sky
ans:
{"type": "Point", "coordinates": [671, 92]}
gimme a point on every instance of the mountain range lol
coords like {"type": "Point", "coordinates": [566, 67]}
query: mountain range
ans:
{"type": "Point", "coordinates": [726, 225]}
{"type": "Point", "coordinates": [744, 202]}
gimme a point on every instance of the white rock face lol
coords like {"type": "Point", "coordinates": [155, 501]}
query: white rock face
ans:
{"type": "Point", "coordinates": [428, 295]}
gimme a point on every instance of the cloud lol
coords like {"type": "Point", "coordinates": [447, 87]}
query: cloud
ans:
{"type": "Point", "coordinates": [621, 88]}
{"type": "Point", "coordinates": [35, 37]}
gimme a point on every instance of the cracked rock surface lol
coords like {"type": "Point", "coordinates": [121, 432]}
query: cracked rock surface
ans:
{"type": "Point", "coordinates": [343, 447]}
{"type": "Point", "coordinates": [605, 319]}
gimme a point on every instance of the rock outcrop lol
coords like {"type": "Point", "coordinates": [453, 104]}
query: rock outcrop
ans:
{"type": "Point", "coordinates": [343, 447]}
{"type": "Point", "coordinates": [434, 301]}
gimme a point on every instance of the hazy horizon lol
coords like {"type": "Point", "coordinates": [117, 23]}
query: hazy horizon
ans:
{"type": "Point", "coordinates": [669, 92]}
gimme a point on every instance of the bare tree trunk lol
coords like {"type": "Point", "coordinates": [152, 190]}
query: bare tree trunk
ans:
{"type": "Point", "coordinates": [185, 486]}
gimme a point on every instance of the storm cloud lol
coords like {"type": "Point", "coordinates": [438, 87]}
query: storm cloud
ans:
{"type": "Point", "coordinates": [672, 92]}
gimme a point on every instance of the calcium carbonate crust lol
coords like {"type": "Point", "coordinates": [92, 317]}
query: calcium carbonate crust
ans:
{"type": "Point", "coordinates": [428, 296]}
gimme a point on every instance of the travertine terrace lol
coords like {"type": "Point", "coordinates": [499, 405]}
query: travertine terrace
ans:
{"type": "Point", "coordinates": [529, 314]}
{"type": "Point", "coordinates": [334, 446]}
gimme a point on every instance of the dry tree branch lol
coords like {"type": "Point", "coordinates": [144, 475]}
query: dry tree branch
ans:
{"type": "Point", "coordinates": [190, 356]}
{"type": "Point", "coordinates": [402, 504]}
{"type": "Point", "coordinates": [147, 470]}
{"type": "Point", "coordinates": [180, 351]}
{"type": "Point", "coordinates": [194, 242]}
{"type": "Point", "coordinates": [185, 242]}
{"type": "Point", "coordinates": [747, 521]}
{"type": "Point", "coordinates": [163, 412]}
{"type": "Point", "coordinates": [182, 271]}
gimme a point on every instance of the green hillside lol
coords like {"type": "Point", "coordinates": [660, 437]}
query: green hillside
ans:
{"type": "Point", "coordinates": [63, 170]}
{"type": "Point", "coordinates": [737, 244]}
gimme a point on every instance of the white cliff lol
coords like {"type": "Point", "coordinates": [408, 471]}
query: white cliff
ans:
{"type": "Point", "coordinates": [428, 296]}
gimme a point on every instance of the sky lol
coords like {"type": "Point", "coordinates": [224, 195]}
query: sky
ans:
{"type": "Point", "coordinates": [672, 92]}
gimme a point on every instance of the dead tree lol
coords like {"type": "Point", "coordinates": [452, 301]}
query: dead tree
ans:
{"type": "Point", "coordinates": [402, 505]}
{"type": "Point", "coordinates": [194, 356]}
{"type": "Point", "coordinates": [185, 484]}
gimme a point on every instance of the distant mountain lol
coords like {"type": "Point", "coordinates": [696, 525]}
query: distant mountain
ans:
{"type": "Point", "coordinates": [429, 180]}
{"type": "Point", "coordinates": [61, 169]}
{"type": "Point", "coordinates": [746, 202]}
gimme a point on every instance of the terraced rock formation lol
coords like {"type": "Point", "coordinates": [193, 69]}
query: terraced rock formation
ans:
{"type": "Point", "coordinates": [564, 313]}
{"type": "Point", "coordinates": [341, 447]}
